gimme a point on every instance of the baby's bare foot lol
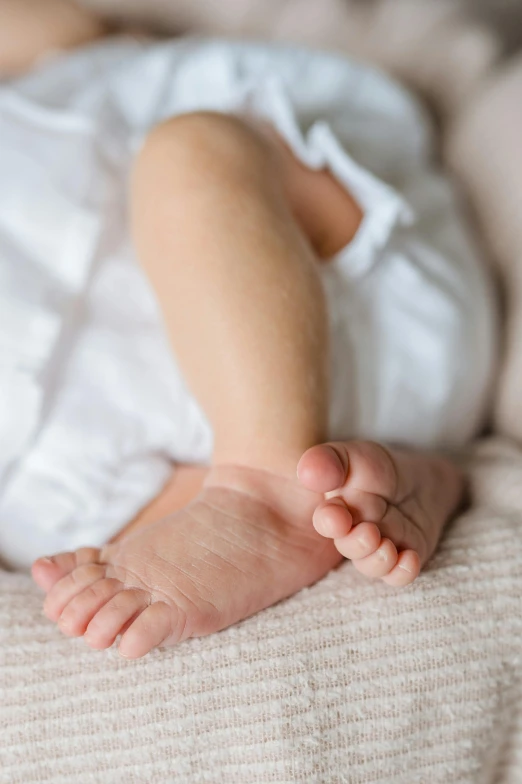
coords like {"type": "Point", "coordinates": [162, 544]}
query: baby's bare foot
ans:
{"type": "Point", "coordinates": [244, 543]}
{"type": "Point", "coordinates": [384, 509]}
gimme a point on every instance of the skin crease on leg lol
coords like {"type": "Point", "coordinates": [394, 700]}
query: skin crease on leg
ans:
{"type": "Point", "coordinates": [245, 538]}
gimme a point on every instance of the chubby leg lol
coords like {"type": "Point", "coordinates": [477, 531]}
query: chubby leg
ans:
{"type": "Point", "coordinates": [237, 278]}
{"type": "Point", "coordinates": [224, 227]}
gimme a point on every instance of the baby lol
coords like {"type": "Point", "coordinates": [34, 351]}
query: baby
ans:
{"type": "Point", "coordinates": [304, 299]}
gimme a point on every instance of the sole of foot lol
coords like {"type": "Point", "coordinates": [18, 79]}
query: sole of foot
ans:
{"type": "Point", "coordinates": [244, 543]}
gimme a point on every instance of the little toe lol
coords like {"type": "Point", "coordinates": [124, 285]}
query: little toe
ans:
{"type": "Point", "coordinates": [363, 540]}
{"type": "Point", "coordinates": [158, 624]}
{"type": "Point", "coordinates": [48, 570]}
{"type": "Point", "coordinates": [114, 616]}
{"type": "Point", "coordinates": [405, 571]}
{"type": "Point", "coordinates": [79, 612]}
{"type": "Point", "coordinates": [323, 468]}
{"type": "Point", "coordinates": [332, 519]}
{"type": "Point", "coordinates": [379, 563]}
{"type": "Point", "coordinates": [70, 586]}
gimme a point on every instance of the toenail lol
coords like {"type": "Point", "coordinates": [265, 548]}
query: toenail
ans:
{"type": "Point", "coordinates": [46, 559]}
{"type": "Point", "coordinates": [405, 569]}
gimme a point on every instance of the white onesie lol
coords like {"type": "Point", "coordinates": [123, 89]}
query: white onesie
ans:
{"type": "Point", "coordinates": [93, 408]}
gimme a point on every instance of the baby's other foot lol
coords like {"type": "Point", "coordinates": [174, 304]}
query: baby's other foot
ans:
{"type": "Point", "coordinates": [385, 509]}
{"type": "Point", "coordinates": [244, 543]}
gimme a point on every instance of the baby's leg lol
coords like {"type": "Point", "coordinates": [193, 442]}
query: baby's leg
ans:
{"type": "Point", "coordinates": [29, 29]}
{"type": "Point", "coordinates": [238, 283]}
{"type": "Point", "coordinates": [312, 215]}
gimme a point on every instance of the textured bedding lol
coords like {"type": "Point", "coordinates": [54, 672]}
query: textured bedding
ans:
{"type": "Point", "coordinates": [349, 681]}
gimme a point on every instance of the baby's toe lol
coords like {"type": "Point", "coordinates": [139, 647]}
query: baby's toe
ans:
{"type": "Point", "coordinates": [379, 563]}
{"type": "Point", "coordinates": [48, 570]}
{"type": "Point", "coordinates": [362, 541]}
{"type": "Point", "coordinates": [405, 571]}
{"type": "Point", "coordinates": [117, 614]}
{"type": "Point", "coordinates": [323, 468]}
{"type": "Point", "coordinates": [79, 612]}
{"type": "Point", "coordinates": [332, 519]}
{"type": "Point", "coordinates": [158, 624]}
{"type": "Point", "coordinates": [70, 586]}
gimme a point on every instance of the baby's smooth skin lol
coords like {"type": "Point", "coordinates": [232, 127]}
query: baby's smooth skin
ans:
{"type": "Point", "coordinates": [230, 227]}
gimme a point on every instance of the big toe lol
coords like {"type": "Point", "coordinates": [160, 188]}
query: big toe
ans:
{"type": "Point", "coordinates": [323, 468]}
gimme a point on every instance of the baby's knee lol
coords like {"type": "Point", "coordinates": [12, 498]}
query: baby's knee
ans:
{"type": "Point", "coordinates": [199, 146]}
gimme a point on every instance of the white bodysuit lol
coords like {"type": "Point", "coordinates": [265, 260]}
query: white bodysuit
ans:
{"type": "Point", "coordinates": [93, 408]}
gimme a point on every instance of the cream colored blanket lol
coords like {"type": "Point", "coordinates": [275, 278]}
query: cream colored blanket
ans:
{"type": "Point", "coordinates": [349, 681]}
